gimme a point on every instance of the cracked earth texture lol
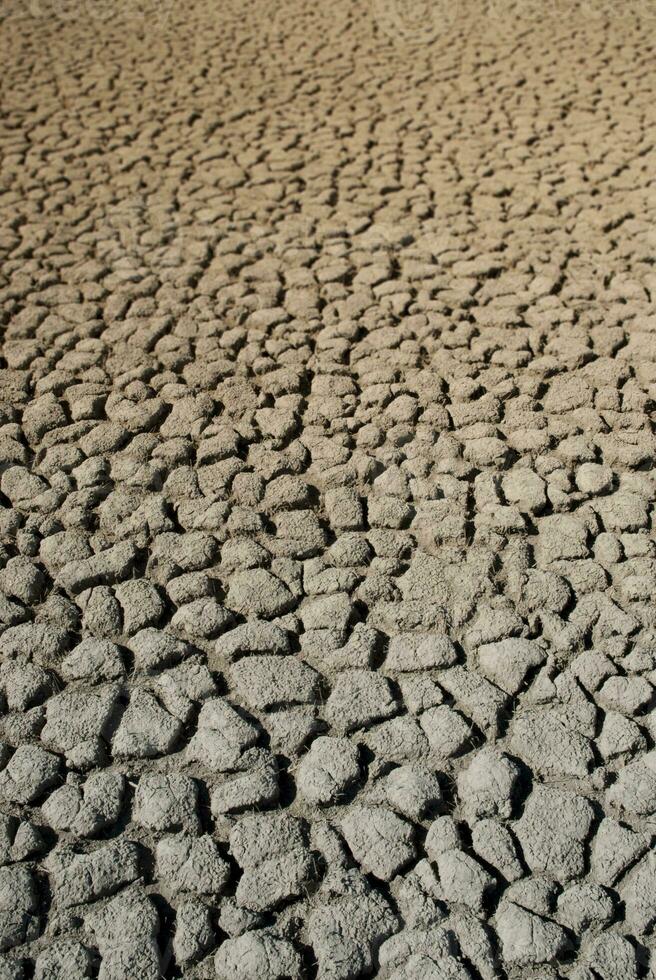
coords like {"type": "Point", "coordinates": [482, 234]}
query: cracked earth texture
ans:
{"type": "Point", "coordinates": [327, 561]}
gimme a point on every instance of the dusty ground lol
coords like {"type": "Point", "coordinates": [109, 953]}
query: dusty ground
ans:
{"type": "Point", "coordinates": [328, 642]}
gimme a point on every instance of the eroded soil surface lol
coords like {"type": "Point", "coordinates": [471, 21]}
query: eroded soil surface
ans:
{"type": "Point", "coordinates": [327, 564]}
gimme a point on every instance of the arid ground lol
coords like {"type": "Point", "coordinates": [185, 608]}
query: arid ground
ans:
{"type": "Point", "coordinates": [327, 472]}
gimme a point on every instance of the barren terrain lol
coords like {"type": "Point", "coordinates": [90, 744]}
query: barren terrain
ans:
{"type": "Point", "coordinates": [327, 487]}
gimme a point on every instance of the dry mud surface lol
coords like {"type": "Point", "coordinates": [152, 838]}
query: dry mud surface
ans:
{"type": "Point", "coordinates": [327, 564]}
